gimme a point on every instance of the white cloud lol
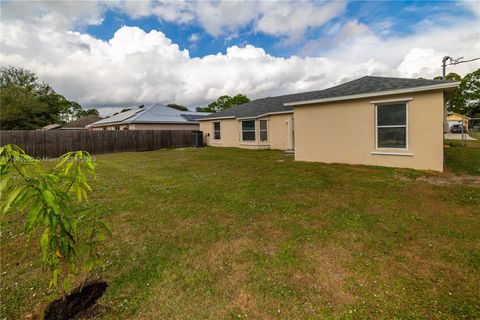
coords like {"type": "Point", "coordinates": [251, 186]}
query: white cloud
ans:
{"type": "Point", "coordinates": [414, 55]}
{"type": "Point", "coordinates": [136, 67]}
{"type": "Point", "coordinates": [194, 37]}
{"type": "Point", "coordinates": [56, 14]}
{"type": "Point", "coordinates": [293, 18]}
{"type": "Point", "coordinates": [226, 17]}
{"type": "Point", "coordinates": [472, 5]}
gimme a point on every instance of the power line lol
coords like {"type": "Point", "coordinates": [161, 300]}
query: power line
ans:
{"type": "Point", "coordinates": [453, 62]}
{"type": "Point", "coordinates": [457, 61]}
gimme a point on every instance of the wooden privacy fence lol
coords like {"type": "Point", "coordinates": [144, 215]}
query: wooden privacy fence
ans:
{"type": "Point", "coordinates": [50, 144]}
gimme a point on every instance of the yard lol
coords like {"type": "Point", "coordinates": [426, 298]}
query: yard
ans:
{"type": "Point", "coordinates": [238, 234]}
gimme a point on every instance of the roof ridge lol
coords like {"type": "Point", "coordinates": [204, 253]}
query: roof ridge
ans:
{"type": "Point", "coordinates": [366, 84]}
{"type": "Point", "coordinates": [137, 114]}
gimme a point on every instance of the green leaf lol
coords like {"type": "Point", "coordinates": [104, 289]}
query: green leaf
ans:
{"type": "Point", "coordinates": [11, 198]}
{"type": "Point", "coordinates": [49, 199]}
{"type": "Point", "coordinates": [3, 183]}
{"type": "Point", "coordinates": [54, 280]}
{"type": "Point", "coordinates": [105, 227]}
{"type": "Point", "coordinates": [66, 285]}
{"type": "Point", "coordinates": [90, 264]}
{"type": "Point", "coordinates": [100, 236]}
{"type": "Point", "coordinates": [32, 217]}
{"type": "Point", "coordinates": [44, 243]}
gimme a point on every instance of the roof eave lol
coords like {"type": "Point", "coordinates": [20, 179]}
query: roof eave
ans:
{"type": "Point", "coordinates": [217, 118]}
{"type": "Point", "coordinates": [142, 122]}
{"type": "Point", "coordinates": [267, 114]}
{"type": "Point", "coordinates": [249, 117]}
{"type": "Point", "coordinates": [451, 85]}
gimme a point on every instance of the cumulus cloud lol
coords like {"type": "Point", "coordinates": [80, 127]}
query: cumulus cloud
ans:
{"type": "Point", "coordinates": [224, 18]}
{"type": "Point", "coordinates": [136, 67]}
{"type": "Point", "coordinates": [293, 18]}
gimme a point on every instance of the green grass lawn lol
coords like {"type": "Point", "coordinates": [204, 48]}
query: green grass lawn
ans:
{"type": "Point", "coordinates": [463, 160]}
{"type": "Point", "coordinates": [216, 233]}
{"type": "Point", "coordinates": [475, 134]}
{"type": "Point", "coordinates": [467, 143]}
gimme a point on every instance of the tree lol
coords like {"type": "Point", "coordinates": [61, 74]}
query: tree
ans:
{"type": "Point", "coordinates": [87, 112]}
{"type": "Point", "coordinates": [224, 102]}
{"type": "Point", "coordinates": [28, 104]}
{"type": "Point", "coordinates": [177, 106]}
{"type": "Point", "coordinates": [70, 110]}
{"type": "Point", "coordinates": [452, 76]}
{"type": "Point", "coordinates": [54, 209]}
{"type": "Point", "coordinates": [466, 99]}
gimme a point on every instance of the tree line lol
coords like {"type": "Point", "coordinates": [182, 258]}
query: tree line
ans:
{"type": "Point", "coordinates": [26, 103]}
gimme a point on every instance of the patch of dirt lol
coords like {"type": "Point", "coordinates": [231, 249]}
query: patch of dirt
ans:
{"type": "Point", "coordinates": [449, 180]}
{"type": "Point", "coordinates": [80, 300]}
{"type": "Point", "coordinates": [329, 275]}
{"type": "Point", "coordinates": [243, 301]}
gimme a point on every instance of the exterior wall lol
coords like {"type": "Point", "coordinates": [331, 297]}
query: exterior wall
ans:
{"type": "Point", "coordinates": [151, 126]}
{"type": "Point", "coordinates": [277, 131]}
{"type": "Point", "coordinates": [344, 132]}
{"type": "Point", "coordinates": [230, 133]}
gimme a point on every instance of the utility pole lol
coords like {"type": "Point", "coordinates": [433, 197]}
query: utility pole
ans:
{"type": "Point", "coordinates": [444, 66]}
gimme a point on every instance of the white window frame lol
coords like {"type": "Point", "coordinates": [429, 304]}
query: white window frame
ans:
{"type": "Point", "coordinates": [219, 130]}
{"type": "Point", "coordinates": [254, 130]}
{"type": "Point", "coordinates": [386, 103]}
{"type": "Point", "coordinates": [260, 130]}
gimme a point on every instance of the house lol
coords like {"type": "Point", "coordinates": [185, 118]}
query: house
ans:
{"type": "Point", "coordinates": [154, 117]}
{"type": "Point", "coordinates": [52, 126]}
{"type": "Point", "coordinates": [382, 121]}
{"type": "Point", "coordinates": [456, 118]}
{"type": "Point", "coordinates": [81, 123]}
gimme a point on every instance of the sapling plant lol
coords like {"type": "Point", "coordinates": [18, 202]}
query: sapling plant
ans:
{"type": "Point", "coordinates": [55, 211]}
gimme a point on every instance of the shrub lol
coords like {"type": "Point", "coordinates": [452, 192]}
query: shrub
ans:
{"type": "Point", "coordinates": [55, 209]}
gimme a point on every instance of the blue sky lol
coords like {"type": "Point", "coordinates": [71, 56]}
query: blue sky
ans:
{"type": "Point", "coordinates": [119, 54]}
{"type": "Point", "coordinates": [396, 18]}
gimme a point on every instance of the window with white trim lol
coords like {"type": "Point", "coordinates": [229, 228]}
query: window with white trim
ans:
{"type": "Point", "coordinates": [216, 131]}
{"type": "Point", "coordinates": [263, 130]}
{"type": "Point", "coordinates": [248, 130]}
{"type": "Point", "coordinates": [391, 125]}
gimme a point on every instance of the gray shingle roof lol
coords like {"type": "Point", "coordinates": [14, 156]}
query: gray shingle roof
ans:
{"type": "Point", "coordinates": [365, 85]}
{"type": "Point", "coordinates": [82, 122]}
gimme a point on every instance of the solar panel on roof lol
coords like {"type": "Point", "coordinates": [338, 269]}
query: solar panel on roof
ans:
{"type": "Point", "coordinates": [191, 117]}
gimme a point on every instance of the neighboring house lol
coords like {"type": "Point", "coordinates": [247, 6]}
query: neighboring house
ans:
{"type": "Point", "coordinates": [382, 121]}
{"type": "Point", "coordinates": [155, 117]}
{"type": "Point", "coordinates": [52, 126]}
{"type": "Point", "coordinates": [456, 118]}
{"type": "Point", "coordinates": [81, 123]}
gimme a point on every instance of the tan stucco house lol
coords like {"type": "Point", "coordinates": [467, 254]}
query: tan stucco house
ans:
{"type": "Point", "coordinates": [382, 121]}
{"type": "Point", "coordinates": [154, 117]}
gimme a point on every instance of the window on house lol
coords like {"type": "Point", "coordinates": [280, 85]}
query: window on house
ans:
{"type": "Point", "coordinates": [263, 130]}
{"type": "Point", "coordinates": [391, 126]}
{"type": "Point", "coordinates": [117, 127]}
{"type": "Point", "coordinates": [248, 130]}
{"type": "Point", "coordinates": [216, 131]}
